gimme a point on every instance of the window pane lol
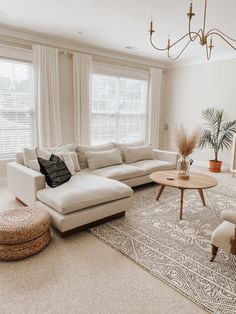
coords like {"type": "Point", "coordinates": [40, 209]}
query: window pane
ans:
{"type": "Point", "coordinates": [118, 108]}
{"type": "Point", "coordinates": [16, 109]}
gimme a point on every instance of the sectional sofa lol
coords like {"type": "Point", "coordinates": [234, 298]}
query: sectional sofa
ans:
{"type": "Point", "coordinates": [94, 194]}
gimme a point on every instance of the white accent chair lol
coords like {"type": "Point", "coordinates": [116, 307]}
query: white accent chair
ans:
{"type": "Point", "coordinates": [224, 236]}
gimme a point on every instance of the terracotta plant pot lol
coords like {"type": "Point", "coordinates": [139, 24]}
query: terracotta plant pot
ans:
{"type": "Point", "coordinates": [215, 166]}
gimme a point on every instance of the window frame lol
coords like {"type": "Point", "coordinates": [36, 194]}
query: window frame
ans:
{"type": "Point", "coordinates": [123, 72]}
{"type": "Point", "coordinates": [24, 56]}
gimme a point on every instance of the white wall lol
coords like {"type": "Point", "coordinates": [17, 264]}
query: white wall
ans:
{"type": "Point", "coordinates": [191, 89]}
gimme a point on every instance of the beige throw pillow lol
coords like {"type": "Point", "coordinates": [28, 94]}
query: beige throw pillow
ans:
{"type": "Point", "coordinates": [71, 161]}
{"type": "Point", "coordinates": [82, 149]}
{"type": "Point", "coordinates": [123, 145]}
{"type": "Point", "coordinates": [103, 159]}
{"type": "Point", "coordinates": [31, 155]}
{"type": "Point", "coordinates": [133, 154]}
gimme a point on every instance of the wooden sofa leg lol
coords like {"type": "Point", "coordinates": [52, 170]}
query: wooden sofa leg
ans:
{"type": "Point", "coordinates": [214, 250]}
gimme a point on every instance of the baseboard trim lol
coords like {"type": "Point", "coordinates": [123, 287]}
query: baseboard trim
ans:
{"type": "Point", "coordinates": [205, 164]}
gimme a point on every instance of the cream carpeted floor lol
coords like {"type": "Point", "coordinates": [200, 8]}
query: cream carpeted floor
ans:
{"type": "Point", "coordinates": [81, 274]}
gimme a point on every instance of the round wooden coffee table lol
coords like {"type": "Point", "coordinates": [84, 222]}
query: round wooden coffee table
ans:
{"type": "Point", "coordinates": [196, 181]}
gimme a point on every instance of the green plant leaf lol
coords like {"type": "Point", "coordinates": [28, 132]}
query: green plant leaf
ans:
{"type": "Point", "coordinates": [216, 134]}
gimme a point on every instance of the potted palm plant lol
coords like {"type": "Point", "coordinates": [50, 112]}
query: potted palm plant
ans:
{"type": "Point", "coordinates": [216, 134]}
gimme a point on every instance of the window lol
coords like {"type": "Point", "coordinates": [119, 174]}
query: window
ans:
{"type": "Point", "coordinates": [118, 108]}
{"type": "Point", "coordinates": [16, 107]}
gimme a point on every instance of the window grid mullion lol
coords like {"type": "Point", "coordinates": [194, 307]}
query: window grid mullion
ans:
{"type": "Point", "coordinates": [16, 107]}
{"type": "Point", "coordinates": [119, 109]}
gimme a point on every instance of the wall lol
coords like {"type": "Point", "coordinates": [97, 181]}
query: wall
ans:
{"type": "Point", "coordinates": [191, 89]}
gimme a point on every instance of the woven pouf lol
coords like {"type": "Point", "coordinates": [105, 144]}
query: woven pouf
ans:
{"type": "Point", "coordinates": [24, 231]}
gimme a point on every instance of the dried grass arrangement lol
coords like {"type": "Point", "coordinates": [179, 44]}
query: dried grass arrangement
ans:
{"type": "Point", "coordinates": [185, 144]}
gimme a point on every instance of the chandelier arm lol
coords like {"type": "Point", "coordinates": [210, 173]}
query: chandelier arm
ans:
{"type": "Point", "coordinates": [207, 52]}
{"type": "Point", "coordinates": [209, 33]}
{"type": "Point", "coordinates": [172, 45]}
{"type": "Point", "coordinates": [164, 49]}
{"type": "Point", "coordinates": [222, 37]}
{"type": "Point", "coordinates": [195, 33]}
{"type": "Point", "coordinates": [189, 30]}
{"type": "Point", "coordinates": [175, 58]}
{"type": "Point", "coordinates": [155, 47]}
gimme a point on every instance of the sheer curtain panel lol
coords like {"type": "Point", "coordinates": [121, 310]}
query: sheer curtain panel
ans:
{"type": "Point", "coordinates": [82, 74]}
{"type": "Point", "coordinates": [47, 100]}
{"type": "Point", "coordinates": [154, 107]}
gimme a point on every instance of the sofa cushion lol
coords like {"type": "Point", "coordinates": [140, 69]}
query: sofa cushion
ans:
{"type": "Point", "coordinates": [71, 161]}
{"type": "Point", "coordinates": [119, 172]}
{"type": "Point", "coordinates": [30, 155]}
{"type": "Point", "coordinates": [55, 171]}
{"type": "Point", "coordinates": [82, 149]}
{"type": "Point", "coordinates": [153, 165]}
{"type": "Point", "coordinates": [82, 191]}
{"type": "Point", "coordinates": [133, 154]}
{"type": "Point", "coordinates": [123, 145]}
{"type": "Point", "coordinates": [97, 160]}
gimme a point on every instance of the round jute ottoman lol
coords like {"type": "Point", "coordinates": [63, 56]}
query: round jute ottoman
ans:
{"type": "Point", "coordinates": [24, 231]}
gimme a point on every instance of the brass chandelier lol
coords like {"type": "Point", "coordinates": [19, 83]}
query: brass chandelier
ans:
{"type": "Point", "coordinates": [205, 37]}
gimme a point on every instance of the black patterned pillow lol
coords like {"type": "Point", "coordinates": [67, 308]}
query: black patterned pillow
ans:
{"type": "Point", "coordinates": [55, 171]}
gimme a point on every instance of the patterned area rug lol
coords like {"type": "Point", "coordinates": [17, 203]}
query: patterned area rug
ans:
{"type": "Point", "coordinates": [178, 251]}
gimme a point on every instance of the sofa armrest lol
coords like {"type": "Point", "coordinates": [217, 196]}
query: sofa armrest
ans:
{"type": "Point", "coordinates": [24, 182]}
{"type": "Point", "coordinates": [166, 155]}
{"type": "Point", "coordinates": [229, 215]}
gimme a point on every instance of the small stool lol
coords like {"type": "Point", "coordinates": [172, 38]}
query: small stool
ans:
{"type": "Point", "coordinates": [24, 231]}
{"type": "Point", "coordinates": [224, 236]}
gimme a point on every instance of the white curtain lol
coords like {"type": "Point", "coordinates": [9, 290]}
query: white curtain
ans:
{"type": "Point", "coordinates": [154, 107]}
{"type": "Point", "coordinates": [82, 74]}
{"type": "Point", "coordinates": [47, 100]}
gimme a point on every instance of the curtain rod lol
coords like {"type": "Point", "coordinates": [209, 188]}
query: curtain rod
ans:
{"type": "Point", "coordinates": [28, 44]}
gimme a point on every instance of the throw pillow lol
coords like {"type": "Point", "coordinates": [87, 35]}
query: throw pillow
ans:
{"type": "Point", "coordinates": [103, 159]}
{"type": "Point", "coordinates": [34, 165]}
{"type": "Point", "coordinates": [55, 171]}
{"type": "Point", "coordinates": [71, 161]}
{"type": "Point", "coordinates": [123, 145]}
{"type": "Point", "coordinates": [133, 154]}
{"type": "Point", "coordinates": [75, 161]}
{"type": "Point", "coordinates": [29, 154]}
{"type": "Point", "coordinates": [82, 149]}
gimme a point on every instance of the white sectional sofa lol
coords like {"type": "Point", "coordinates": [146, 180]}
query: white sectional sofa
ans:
{"type": "Point", "coordinates": [90, 196]}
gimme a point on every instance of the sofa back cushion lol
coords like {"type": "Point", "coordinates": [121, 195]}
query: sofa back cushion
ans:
{"type": "Point", "coordinates": [123, 145]}
{"type": "Point", "coordinates": [82, 149]}
{"type": "Point", "coordinates": [30, 155]}
{"type": "Point", "coordinates": [20, 158]}
{"type": "Point", "coordinates": [133, 154]}
{"type": "Point", "coordinates": [103, 159]}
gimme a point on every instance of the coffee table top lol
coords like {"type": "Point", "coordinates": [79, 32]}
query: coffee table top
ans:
{"type": "Point", "coordinates": [196, 180]}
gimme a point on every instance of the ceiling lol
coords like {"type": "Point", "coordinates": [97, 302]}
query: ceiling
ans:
{"type": "Point", "coordinates": [116, 24]}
